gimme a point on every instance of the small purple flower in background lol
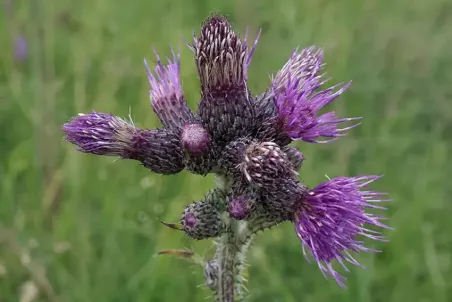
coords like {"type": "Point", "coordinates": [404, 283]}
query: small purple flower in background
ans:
{"type": "Point", "coordinates": [244, 140]}
{"type": "Point", "coordinates": [20, 48]}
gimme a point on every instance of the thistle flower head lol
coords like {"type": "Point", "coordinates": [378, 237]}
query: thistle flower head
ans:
{"type": "Point", "coordinates": [201, 220]}
{"type": "Point", "coordinates": [106, 134]}
{"type": "Point", "coordinates": [222, 59]}
{"type": "Point", "coordinates": [298, 111]}
{"type": "Point", "coordinates": [100, 133]}
{"type": "Point", "coordinates": [330, 218]}
{"type": "Point", "coordinates": [167, 99]}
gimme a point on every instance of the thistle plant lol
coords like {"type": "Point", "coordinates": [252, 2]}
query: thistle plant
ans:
{"type": "Point", "coordinates": [244, 139]}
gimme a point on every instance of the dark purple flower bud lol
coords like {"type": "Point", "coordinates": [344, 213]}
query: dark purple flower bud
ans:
{"type": "Point", "coordinates": [20, 48]}
{"type": "Point", "coordinates": [264, 164]}
{"type": "Point", "coordinates": [201, 220]}
{"type": "Point", "coordinates": [222, 60]}
{"type": "Point", "coordinates": [106, 134]}
{"type": "Point", "coordinates": [167, 99]}
{"type": "Point", "coordinates": [195, 138]}
{"type": "Point", "coordinates": [234, 154]}
{"type": "Point", "coordinates": [241, 207]}
{"type": "Point", "coordinates": [298, 107]}
{"type": "Point", "coordinates": [330, 218]}
{"type": "Point", "coordinates": [294, 156]}
{"type": "Point", "coordinates": [282, 197]}
{"type": "Point", "coordinates": [199, 149]}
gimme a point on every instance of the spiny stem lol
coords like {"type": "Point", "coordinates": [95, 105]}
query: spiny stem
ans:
{"type": "Point", "coordinates": [225, 256]}
{"type": "Point", "coordinates": [230, 253]}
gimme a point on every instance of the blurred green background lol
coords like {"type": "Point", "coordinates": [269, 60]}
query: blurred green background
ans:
{"type": "Point", "coordinates": [75, 227]}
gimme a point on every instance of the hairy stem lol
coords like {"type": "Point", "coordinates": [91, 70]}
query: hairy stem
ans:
{"type": "Point", "coordinates": [229, 257]}
{"type": "Point", "coordinates": [225, 256]}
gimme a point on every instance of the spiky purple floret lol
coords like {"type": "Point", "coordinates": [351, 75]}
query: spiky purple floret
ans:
{"type": "Point", "coordinates": [302, 65]}
{"type": "Point", "coordinates": [298, 106]}
{"type": "Point", "coordinates": [331, 217]}
{"type": "Point", "coordinates": [167, 99]}
{"type": "Point", "coordinates": [99, 133]}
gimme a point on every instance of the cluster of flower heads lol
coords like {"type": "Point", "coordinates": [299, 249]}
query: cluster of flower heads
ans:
{"type": "Point", "coordinates": [246, 138]}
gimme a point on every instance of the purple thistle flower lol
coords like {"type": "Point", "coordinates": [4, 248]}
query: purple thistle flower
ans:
{"type": "Point", "coordinates": [106, 134]}
{"type": "Point", "coordinates": [100, 133]}
{"type": "Point", "coordinates": [167, 99]}
{"type": "Point", "coordinates": [298, 106]}
{"type": "Point", "coordinates": [330, 218]}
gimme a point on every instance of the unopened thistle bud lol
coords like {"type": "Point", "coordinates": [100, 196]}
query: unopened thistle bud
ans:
{"type": "Point", "coordinates": [222, 60]}
{"type": "Point", "coordinates": [241, 207]}
{"type": "Point", "coordinates": [199, 148]}
{"type": "Point", "coordinates": [265, 163]}
{"type": "Point", "coordinates": [294, 156]}
{"type": "Point", "coordinates": [201, 220]}
{"type": "Point", "coordinates": [233, 155]}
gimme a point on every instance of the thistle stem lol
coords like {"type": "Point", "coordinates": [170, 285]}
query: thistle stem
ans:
{"type": "Point", "coordinates": [226, 259]}
{"type": "Point", "coordinates": [228, 253]}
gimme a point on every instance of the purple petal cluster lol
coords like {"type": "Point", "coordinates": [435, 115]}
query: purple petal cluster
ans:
{"type": "Point", "coordinates": [332, 216]}
{"type": "Point", "coordinates": [167, 99]}
{"type": "Point", "coordinates": [298, 107]}
{"type": "Point", "coordinates": [245, 139]}
{"type": "Point", "coordinates": [100, 133]}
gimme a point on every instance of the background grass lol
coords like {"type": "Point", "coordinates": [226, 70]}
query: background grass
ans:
{"type": "Point", "coordinates": [84, 228]}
